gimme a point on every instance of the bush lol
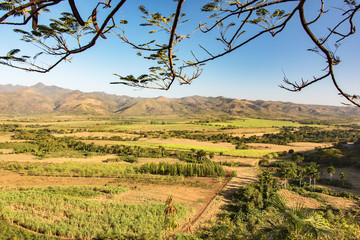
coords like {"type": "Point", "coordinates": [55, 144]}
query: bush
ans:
{"type": "Point", "coordinates": [130, 159]}
{"type": "Point", "coordinates": [264, 162]}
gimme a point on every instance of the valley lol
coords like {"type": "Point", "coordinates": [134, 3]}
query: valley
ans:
{"type": "Point", "coordinates": [66, 175]}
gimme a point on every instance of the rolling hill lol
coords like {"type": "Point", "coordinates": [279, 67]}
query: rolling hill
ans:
{"type": "Point", "coordinates": [39, 99]}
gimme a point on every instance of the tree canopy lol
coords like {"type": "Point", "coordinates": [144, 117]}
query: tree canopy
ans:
{"type": "Point", "coordinates": [233, 24]}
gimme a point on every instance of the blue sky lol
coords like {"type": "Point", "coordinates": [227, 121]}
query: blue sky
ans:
{"type": "Point", "coordinates": [252, 72]}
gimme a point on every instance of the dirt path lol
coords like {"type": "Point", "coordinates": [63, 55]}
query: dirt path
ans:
{"type": "Point", "coordinates": [245, 175]}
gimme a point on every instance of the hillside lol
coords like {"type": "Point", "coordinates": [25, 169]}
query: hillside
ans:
{"type": "Point", "coordinates": [40, 99]}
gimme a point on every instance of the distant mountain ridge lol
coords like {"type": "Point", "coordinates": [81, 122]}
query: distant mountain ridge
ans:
{"type": "Point", "coordinates": [41, 98]}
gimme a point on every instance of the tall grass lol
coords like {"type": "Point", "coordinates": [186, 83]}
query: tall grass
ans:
{"type": "Point", "coordinates": [75, 213]}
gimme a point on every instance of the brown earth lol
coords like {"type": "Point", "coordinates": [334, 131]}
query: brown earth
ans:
{"type": "Point", "coordinates": [8, 178]}
{"type": "Point", "coordinates": [7, 138]}
{"type": "Point", "coordinates": [6, 151]}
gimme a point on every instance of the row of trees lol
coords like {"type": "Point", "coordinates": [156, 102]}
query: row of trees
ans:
{"type": "Point", "coordinates": [208, 169]}
{"type": "Point", "coordinates": [291, 171]}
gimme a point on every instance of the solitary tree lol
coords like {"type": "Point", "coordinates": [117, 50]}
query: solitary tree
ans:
{"type": "Point", "coordinates": [343, 177]}
{"type": "Point", "coordinates": [331, 170]}
{"type": "Point", "coordinates": [239, 22]}
{"type": "Point", "coordinates": [288, 173]}
{"type": "Point", "coordinates": [170, 214]}
{"type": "Point", "coordinates": [162, 150]}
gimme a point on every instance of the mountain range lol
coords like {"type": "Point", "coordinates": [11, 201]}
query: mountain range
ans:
{"type": "Point", "coordinates": [40, 99]}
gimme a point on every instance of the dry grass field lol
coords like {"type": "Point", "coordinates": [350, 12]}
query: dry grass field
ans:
{"type": "Point", "coordinates": [353, 177]}
{"type": "Point", "coordinates": [293, 199]}
{"type": "Point", "coordinates": [297, 146]}
{"type": "Point", "coordinates": [26, 157]}
{"type": "Point", "coordinates": [187, 142]}
{"type": "Point", "coordinates": [248, 132]}
{"type": "Point", "coordinates": [7, 138]}
{"type": "Point", "coordinates": [245, 161]}
{"type": "Point", "coordinates": [96, 134]}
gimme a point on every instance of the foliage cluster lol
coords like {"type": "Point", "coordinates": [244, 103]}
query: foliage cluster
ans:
{"type": "Point", "coordinates": [207, 169]}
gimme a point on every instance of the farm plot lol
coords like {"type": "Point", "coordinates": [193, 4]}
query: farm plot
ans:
{"type": "Point", "coordinates": [293, 199]}
{"type": "Point", "coordinates": [248, 132]}
{"type": "Point", "coordinates": [76, 212]}
{"type": "Point", "coordinates": [173, 146]}
{"type": "Point", "coordinates": [166, 127]}
{"type": "Point", "coordinates": [244, 161]}
{"type": "Point", "coordinates": [188, 142]}
{"type": "Point", "coordinates": [26, 157]}
{"type": "Point", "coordinates": [257, 123]}
{"type": "Point", "coordinates": [297, 147]}
{"type": "Point", "coordinates": [96, 134]}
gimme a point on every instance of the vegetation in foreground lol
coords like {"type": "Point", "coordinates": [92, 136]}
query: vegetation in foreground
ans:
{"type": "Point", "coordinates": [77, 212]}
{"type": "Point", "coordinates": [257, 211]}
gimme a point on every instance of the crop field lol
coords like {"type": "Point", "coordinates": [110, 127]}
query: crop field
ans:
{"type": "Point", "coordinates": [297, 146]}
{"type": "Point", "coordinates": [257, 123]}
{"type": "Point", "coordinates": [173, 146]}
{"type": "Point", "coordinates": [60, 210]}
{"type": "Point", "coordinates": [55, 206]}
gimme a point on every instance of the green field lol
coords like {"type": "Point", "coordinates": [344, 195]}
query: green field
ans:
{"type": "Point", "coordinates": [258, 123]}
{"type": "Point", "coordinates": [173, 146]}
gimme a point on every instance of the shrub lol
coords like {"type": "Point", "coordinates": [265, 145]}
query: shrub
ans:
{"type": "Point", "coordinates": [264, 162]}
{"type": "Point", "coordinates": [130, 159]}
